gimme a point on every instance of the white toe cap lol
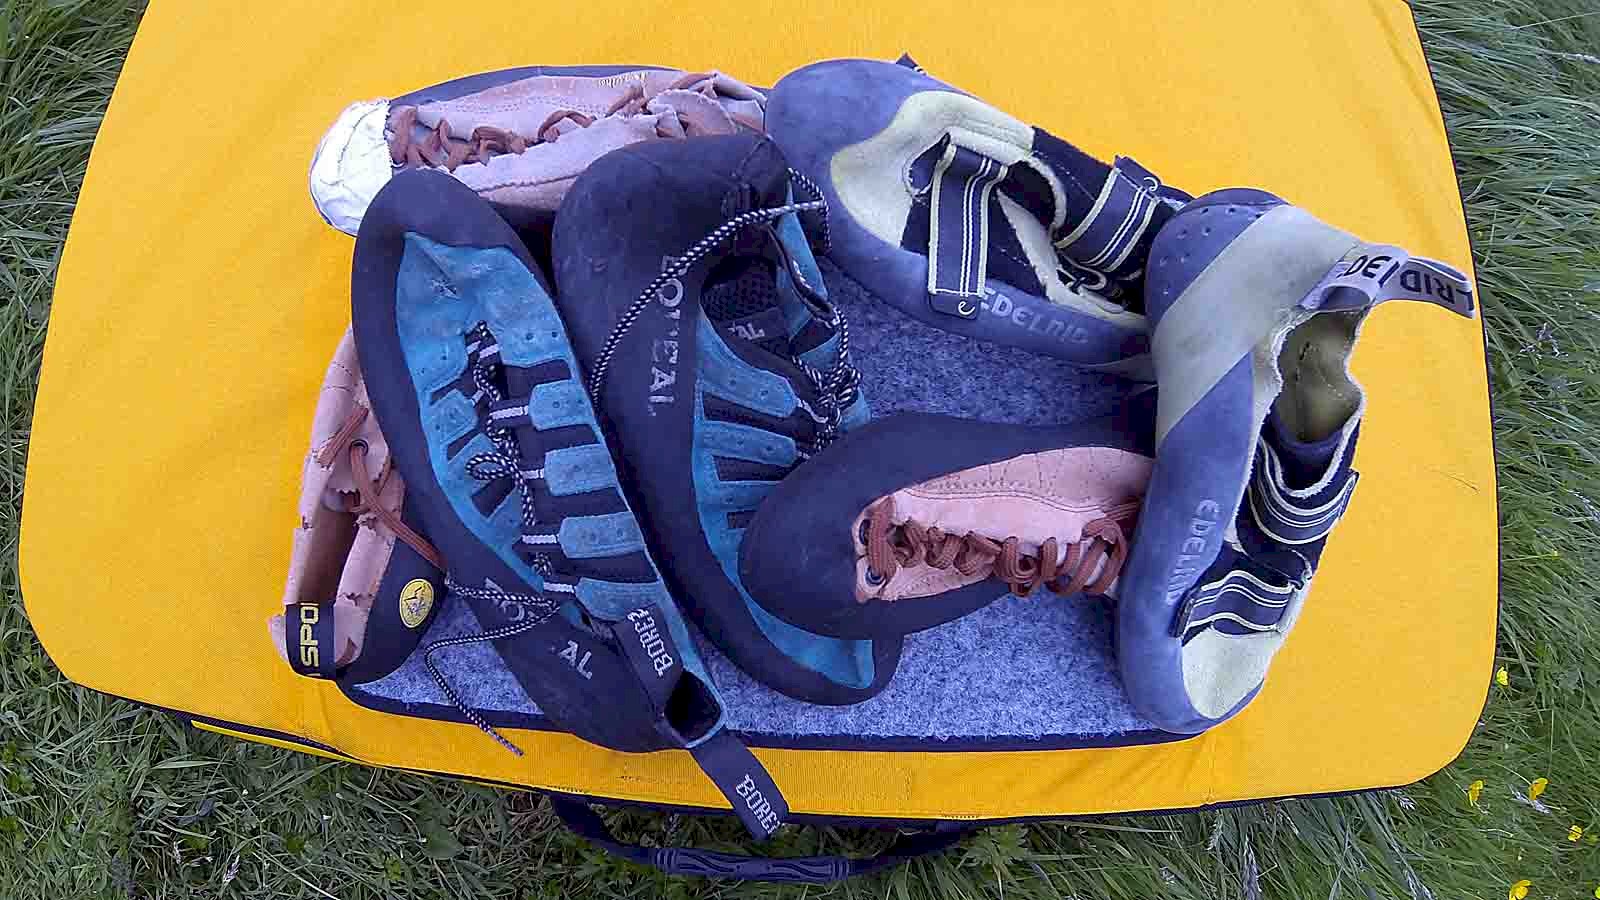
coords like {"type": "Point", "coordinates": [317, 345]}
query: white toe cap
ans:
{"type": "Point", "coordinates": [351, 164]}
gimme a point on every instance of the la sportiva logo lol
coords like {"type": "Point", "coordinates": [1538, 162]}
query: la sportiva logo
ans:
{"type": "Point", "coordinates": [416, 601]}
{"type": "Point", "coordinates": [310, 654]}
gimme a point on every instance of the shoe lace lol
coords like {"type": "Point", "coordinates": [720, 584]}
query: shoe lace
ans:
{"type": "Point", "coordinates": [1103, 550]}
{"type": "Point", "coordinates": [370, 489]}
{"type": "Point", "coordinates": [836, 389]}
{"type": "Point", "coordinates": [440, 148]}
{"type": "Point", "coordinates": [503, 461]}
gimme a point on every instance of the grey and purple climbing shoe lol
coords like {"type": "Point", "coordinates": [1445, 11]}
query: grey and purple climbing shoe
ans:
{"type": "Point", "coordinates": [518, 137]}
{"type": "Point", "coordinates": [470, 371]}
{"type": "Point", "coordinates": [914, 520]}
{"type": "Point", "coordinates": [718, 366]}
{"type": "Point", "coordinates": [1256, 307]}
{"type": "Point", "coordinates": [970, 219]}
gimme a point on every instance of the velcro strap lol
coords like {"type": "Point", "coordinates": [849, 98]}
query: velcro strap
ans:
{"type": "Point", "coordinates": [1369, 274]}
{"type": "Point", "coordinates": [958, 229]}
{"type": "Point", "coordinates": [309, 638]}
{"type": "Point", "coordinates": [1106, 238]}
{"type": "Point", "coordinates": [1246, 599]}
{"type": "Point", "coordinates": [1286, 516]}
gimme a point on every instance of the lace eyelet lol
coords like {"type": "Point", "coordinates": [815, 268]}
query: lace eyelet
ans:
{"type": "Point", "coordinates": [874, 578]}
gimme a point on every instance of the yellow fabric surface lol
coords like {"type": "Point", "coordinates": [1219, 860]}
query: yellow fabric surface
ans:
{"type": "Point", "coordinates": [200, 297]}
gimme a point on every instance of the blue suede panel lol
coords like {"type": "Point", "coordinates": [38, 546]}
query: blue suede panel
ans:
{"type": "Point", "coordinates": [556, 404]}
{"type": "Point", "coordinates": [846, 662]}
{"type": "Point", "coordinates": [577, 470]}
{"type": "Point", "coordinates": [741, 442]}
{"type": "Point", "coordinates": [737, 495]}
{"type": "Point", "coordinates": [798, 249]}
{"type": "Point", "coordinates": [614, 600]}
{"type": "Point", "coordinates": [1018, 669]}
{"type": "Point", "coordinates": [592, 537]}
{"type": "Point", "coordinates": [433, 322]}
{"type": "Point", "coordinates": [727, 376]}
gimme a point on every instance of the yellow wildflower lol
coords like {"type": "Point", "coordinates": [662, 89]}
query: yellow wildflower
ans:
{"type": "Point", "coordinates": [1474, 791]}
{"type": "Point", "coordinates": [1537, 788]}
{"type": "Point", "coordinates": [1502, 677]}
{"type": "Point", "coordinates": [1519, 890]}
{"type": "Point", "coordinates": [1574, 833]}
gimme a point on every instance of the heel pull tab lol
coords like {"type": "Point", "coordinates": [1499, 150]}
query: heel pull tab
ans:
{"type": "Point", "coordinates": [1369, 274]}
{"type": "Point", "coordinates": [309, 638]}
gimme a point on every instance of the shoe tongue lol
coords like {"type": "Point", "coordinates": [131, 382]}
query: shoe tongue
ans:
{"type": "Point", "coordinates": [769, 292]}
{"type": "Point", "coordinates": [741, 297]}
{"type": "Point", "coordinates": [1305, 463]}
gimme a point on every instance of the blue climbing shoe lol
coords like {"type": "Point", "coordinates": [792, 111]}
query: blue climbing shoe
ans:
{"type": "Point", "coordinates": [1256, 308]}
{"type": "Point", "coordinates": [718, 365]}
{"type": "Point", "coordinates": [971, 220]}
{"type": "Point", "coordinates": [471, 374]}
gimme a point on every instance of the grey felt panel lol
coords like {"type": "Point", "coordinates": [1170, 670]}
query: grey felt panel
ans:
{"type": "Point", "coordinates": [1018, 669]}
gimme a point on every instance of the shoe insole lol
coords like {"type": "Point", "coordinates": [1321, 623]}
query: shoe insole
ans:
{"type": "Point", "coordinates": [1318, 396]}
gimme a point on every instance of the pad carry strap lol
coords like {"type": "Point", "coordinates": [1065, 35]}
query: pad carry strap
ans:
{"type": "Point", "coordinates": [958, 230]}
{"type": "Point", "coordinates": [1370, 274]}
{"type": "Point", "coordinates": [308, 637]}
{"type": "Point", "coordinates": [577, 815]}
{"type": "Point", "coordinates": [656, 662]}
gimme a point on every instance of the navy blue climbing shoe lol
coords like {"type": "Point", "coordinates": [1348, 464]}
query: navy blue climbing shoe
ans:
{"type": "Point", "coordinates": [1256, 308]}
{"type": "Point", "coordinates": [971, 220]}
{"type": "Point", "coordinates": [914, 520]}
{"type": "Point", "coordinates": [471, 375]}
{"type": "Point", "coordinates": [696, 308]}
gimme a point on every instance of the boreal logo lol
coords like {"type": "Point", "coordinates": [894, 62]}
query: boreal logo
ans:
{"type": "Point", "coordinates": [416, 601]}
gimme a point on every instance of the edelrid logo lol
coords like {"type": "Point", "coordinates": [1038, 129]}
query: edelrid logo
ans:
{"type": "Point", "coordinates": [578, 664]}
{"type": "Point", "coordinates": [310, 656]}
{"type": "Point", "coordinates": [1424, 284]}
{"type": "Point", "coordinates": [644, 627]}
{"type": "Point", "coordinates": [664, 350]}
{"type": "Point", "coordinates": [1193, 550]}
{"type": "Point", "coordinates": [1032, 320]}
{"type": "Point", "coordinates": [1371, 266]}
{"type": "Point", "coordinates": [758, 804]}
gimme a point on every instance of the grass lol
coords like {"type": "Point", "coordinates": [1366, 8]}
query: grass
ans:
{"type": "Point", "coordinates": [100, 798]}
